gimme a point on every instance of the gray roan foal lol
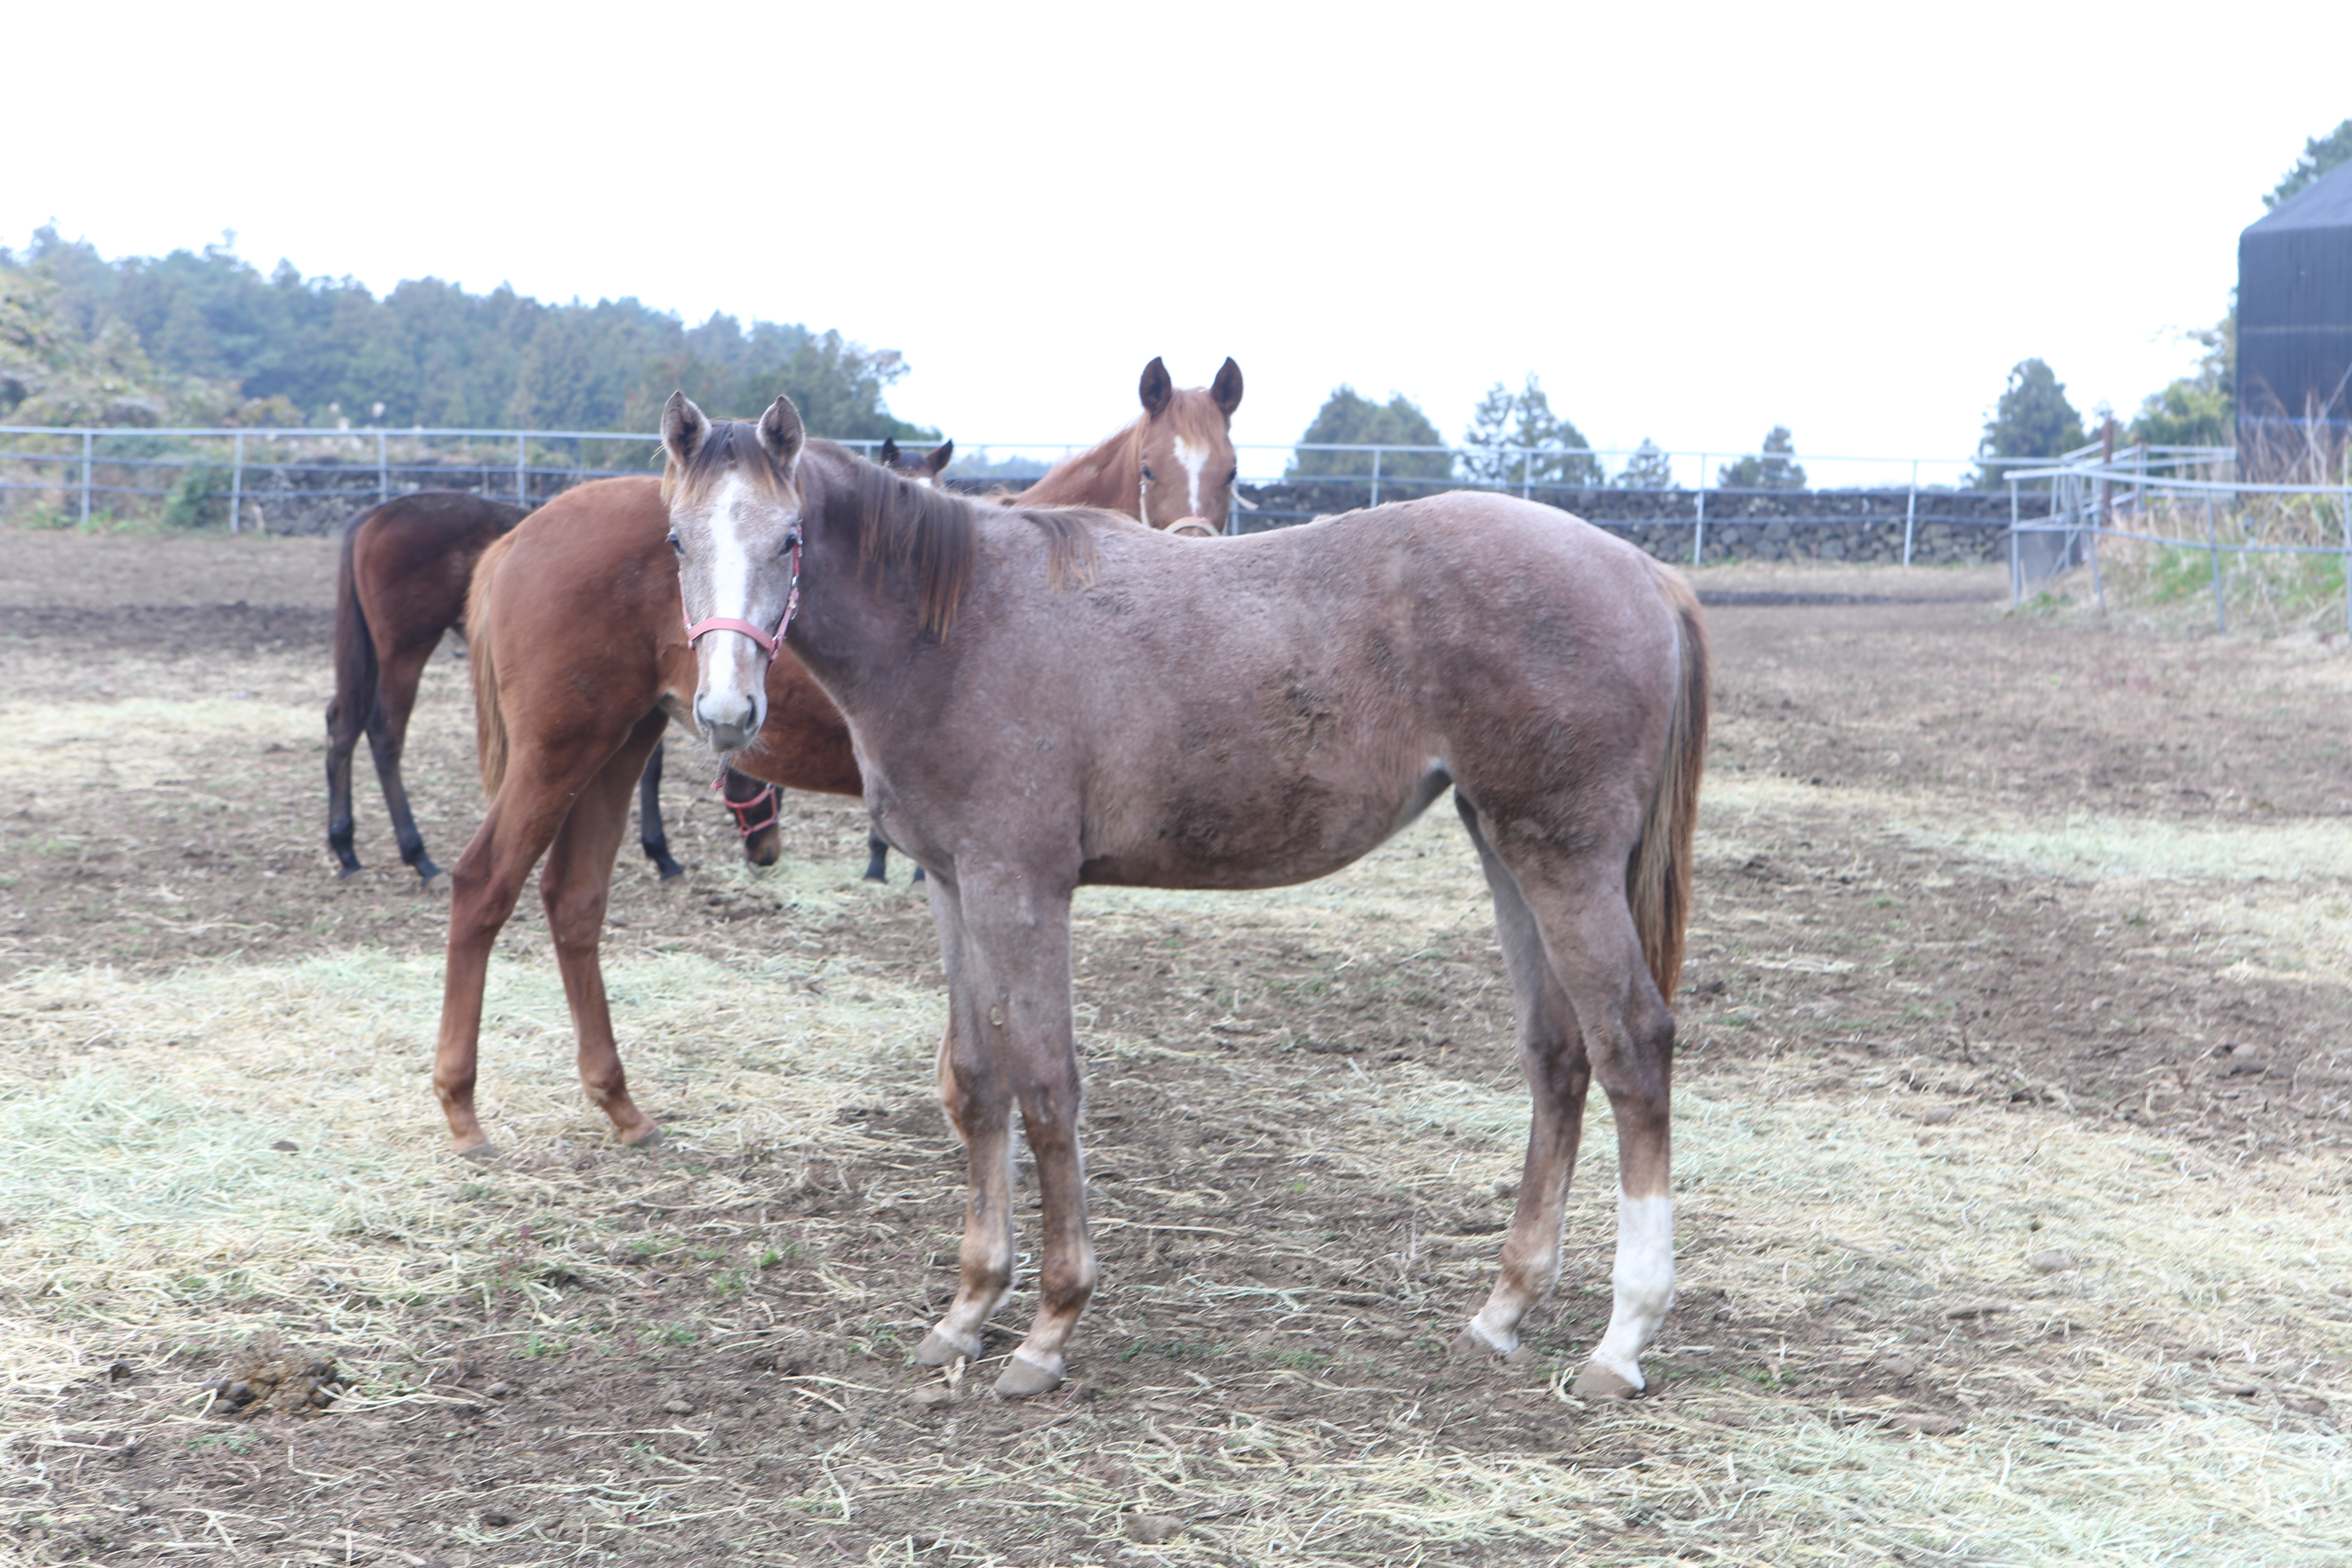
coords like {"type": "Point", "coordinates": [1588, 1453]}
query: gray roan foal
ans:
{"type": "Point", "coordinates": [1045, 698]}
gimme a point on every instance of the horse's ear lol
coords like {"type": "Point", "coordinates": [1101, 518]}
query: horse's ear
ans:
{"type": "Point", "coordinates": [682, 428]}
{"type": "Point", "coordinates": [940, 457]}
{"type": "Point", "coordinates": [888, 457]}
{"type": "Point", "coordinates": [1157, 389]}
{"type": "Point", "coordinates": [1227, 388]}
{"type": "Point", "coordinates": [781, 434]}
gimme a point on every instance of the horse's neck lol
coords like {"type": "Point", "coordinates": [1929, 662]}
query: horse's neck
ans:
{"type": "Point", "coordinates": [1108, 475]}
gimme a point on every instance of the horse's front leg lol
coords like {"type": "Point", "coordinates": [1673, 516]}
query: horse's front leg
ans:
{"type": "Point", "coordinates": [1019, 934]}
{"type": "Point", "coordinates": [977, 1097]}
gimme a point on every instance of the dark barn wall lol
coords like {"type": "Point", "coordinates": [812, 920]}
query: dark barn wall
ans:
{"type": "Point", "coordinates": [2295, 305]}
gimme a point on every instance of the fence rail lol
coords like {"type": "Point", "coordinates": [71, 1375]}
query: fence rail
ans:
{"type": "Point", "coordinates": [297, 477]}
{"type": "Point", "coordinates": [2089, 490]}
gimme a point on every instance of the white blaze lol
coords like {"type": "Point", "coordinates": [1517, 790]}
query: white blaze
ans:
{"type": "Point", "coordinates": [1194, 459]}
{"type": "Point", "coordinates": [732, 667]}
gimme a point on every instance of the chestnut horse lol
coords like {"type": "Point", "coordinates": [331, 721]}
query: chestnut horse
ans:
{"type": "Point", "coordinates": [580, 660]}
{"type": "Point", "coordinates": [400, 585]}
{"type": "Point", "coordinates": [1044, 700]}
{"type": "Point", "coordinates": [1173, 467]}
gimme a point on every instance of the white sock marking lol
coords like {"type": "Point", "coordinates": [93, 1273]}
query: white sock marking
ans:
{"type": "Point", "coordinates": [1644, 1281]}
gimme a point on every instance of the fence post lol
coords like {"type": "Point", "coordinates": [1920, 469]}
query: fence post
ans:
{"type": "Point", "coordinates": [383, 471]}
{"type": "Point", "coordinates": [1698, 534]}
{"type": "Point", "coordinates": [1911, 512]}
{"type": "Point", "coordinates": [2348, 545]}
{"type": "Point", "coordinates": [1376, 476]}
{"type": "Point", "coordinates": [1527, 475]}
{"type": "Point", "coordinates": [86, 439]}
{"type": "Point", "coordinates": [522, 473]}
{"type": "Point", "coordinates": [236, 484]}
{"type": "Point", "coordinates": [2016, 567]}
{"type": "Point", "coordinates": [2214, 547]}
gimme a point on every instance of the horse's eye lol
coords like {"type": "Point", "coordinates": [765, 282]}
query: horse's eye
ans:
{"type": "Point", "coordinates": [1147, 473]}
{"type": "Point", "coordinates": [1235, 476]}
{"type": "Point", "coordinates": [676, 543]}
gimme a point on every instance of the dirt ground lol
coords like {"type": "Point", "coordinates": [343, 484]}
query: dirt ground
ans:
{"type": "Point", "coordinates": [1975, 887]}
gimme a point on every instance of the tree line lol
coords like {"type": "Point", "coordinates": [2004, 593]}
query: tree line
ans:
{"type": "Point", "coordinates": [204, 337]}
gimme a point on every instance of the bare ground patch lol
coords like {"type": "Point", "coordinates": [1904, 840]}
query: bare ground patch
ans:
{"type": "Point", "coordinates": [1990, 1252]}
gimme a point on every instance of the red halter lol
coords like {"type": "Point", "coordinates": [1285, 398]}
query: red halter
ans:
{"type": "Point", "coordinates": [764, 642]}
{"type": "Point", "coordinates": [743, 809]}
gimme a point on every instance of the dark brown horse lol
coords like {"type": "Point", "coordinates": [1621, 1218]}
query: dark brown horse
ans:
{"type": "Point", "coordinates": [1049, 699]}
{"type": "Point", "coordinates": [1173, 467]}
{"type": "Point", "coordinates": [399, 586]}
{"type": "Point", "coordinates": [580, 660]}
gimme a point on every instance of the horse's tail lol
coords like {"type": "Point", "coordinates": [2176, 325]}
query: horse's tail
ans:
{"type": "Point", "coordinates": [355, 667]}
{"type": "Point", "coordinates": [1658, 877]}
{"type": "Point", "coordinates": [490, 720]}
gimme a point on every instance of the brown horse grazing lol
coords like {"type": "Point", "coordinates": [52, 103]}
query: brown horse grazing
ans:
{"type": "Point", "coordinates": [1173, 467]}
{"type": "Point", "coordinates": [1049, 699]}
{"type": "Point", "coordinates": [579, 660]}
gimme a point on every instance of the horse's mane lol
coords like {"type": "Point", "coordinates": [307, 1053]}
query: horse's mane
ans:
{"type": "Point", "coordinates": [934, 536]}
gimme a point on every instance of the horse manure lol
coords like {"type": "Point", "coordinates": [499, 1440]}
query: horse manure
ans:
{"type": "Point", "coordinates": [286, 1146]}
{"type": "Point", "coordinates": [1153, 1529]}
{"type": "Point", "coordinates": [1936, 1116]}
{"type": "Point", "coordinates": [2050, 1262]}
{"type": "Point", "coordinates": [266, 1379]}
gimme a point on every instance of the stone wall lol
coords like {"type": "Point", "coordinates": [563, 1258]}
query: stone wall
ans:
{"type": "Point", "coordinates": [1862, 525]}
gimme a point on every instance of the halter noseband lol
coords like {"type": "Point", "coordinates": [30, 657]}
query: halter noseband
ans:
{"type": "Point", "coordinates": [768, 797]}
{"type": "Point", "coordinates": [764, 642]}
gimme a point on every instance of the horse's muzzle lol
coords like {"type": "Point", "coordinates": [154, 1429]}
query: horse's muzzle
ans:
{"type": "Point", "coordinates": [729, 723]}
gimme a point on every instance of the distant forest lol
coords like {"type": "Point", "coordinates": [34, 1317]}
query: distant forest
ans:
{"type": "Point", "coordinates": [283, 348]}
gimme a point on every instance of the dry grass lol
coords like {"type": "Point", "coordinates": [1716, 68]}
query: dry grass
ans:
{"type": "Point", "coordinates": [145, 1205]}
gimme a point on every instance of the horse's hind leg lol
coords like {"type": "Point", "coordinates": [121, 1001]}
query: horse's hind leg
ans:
{"type": "Point", "coordinates": [878, 857]}
{"type": "Point", "coordinates": [387, 732]}
{"type": "Point", "coordinates": [1551, 1053]}
{"type": "Point", "coordinates": [1578, 907]}
{"type": "Point", "coordinates": [651, 835]}
{"type": "Point", "coordinates": [531, 805]}
{"type": "Point", "coordinates": [575, 886]}
{"type": "Point", "coordinates": [344, 728]}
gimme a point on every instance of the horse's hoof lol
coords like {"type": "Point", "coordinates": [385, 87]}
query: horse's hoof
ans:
{"type": "Point", "coordinates": [670, 869]}
{"type": "Point", "coordinates": [938, 1349]}
{"type": "Point", "coordinates": [1024, 1377]}
{"type": "Point", "coordinates": [480, 1153]}
{"type": "Point", "coordinates": [426, 870]}
{"type": "Point", "coordinates": [348, 871]}
{"type": "Point", "coordinates": [1598, 1383]}
{"type": "Point", "coordinates": [651, 1138]}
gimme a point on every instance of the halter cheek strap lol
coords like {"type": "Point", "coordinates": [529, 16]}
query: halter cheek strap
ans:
{"type": "Point", "coordinates": [766, 643]}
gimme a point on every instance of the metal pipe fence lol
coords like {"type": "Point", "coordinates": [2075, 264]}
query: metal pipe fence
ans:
{"type": "Point", "coordinates": [2145, 488]}
{"type": "Point", "coordinates": [308, 481]}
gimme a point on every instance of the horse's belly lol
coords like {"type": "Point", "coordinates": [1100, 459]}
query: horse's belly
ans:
{"type": "Point", "coordinates": [1265, 833]}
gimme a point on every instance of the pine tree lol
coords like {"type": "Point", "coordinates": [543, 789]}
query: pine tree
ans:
{"type": "Point", "coordinates": [1772, 470]}
{"type": "Point", "coordinates": [1648, 469]}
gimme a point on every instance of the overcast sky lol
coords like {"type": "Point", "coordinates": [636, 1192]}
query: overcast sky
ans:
{"type": "Point", "coordinates": [1692, 222]}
